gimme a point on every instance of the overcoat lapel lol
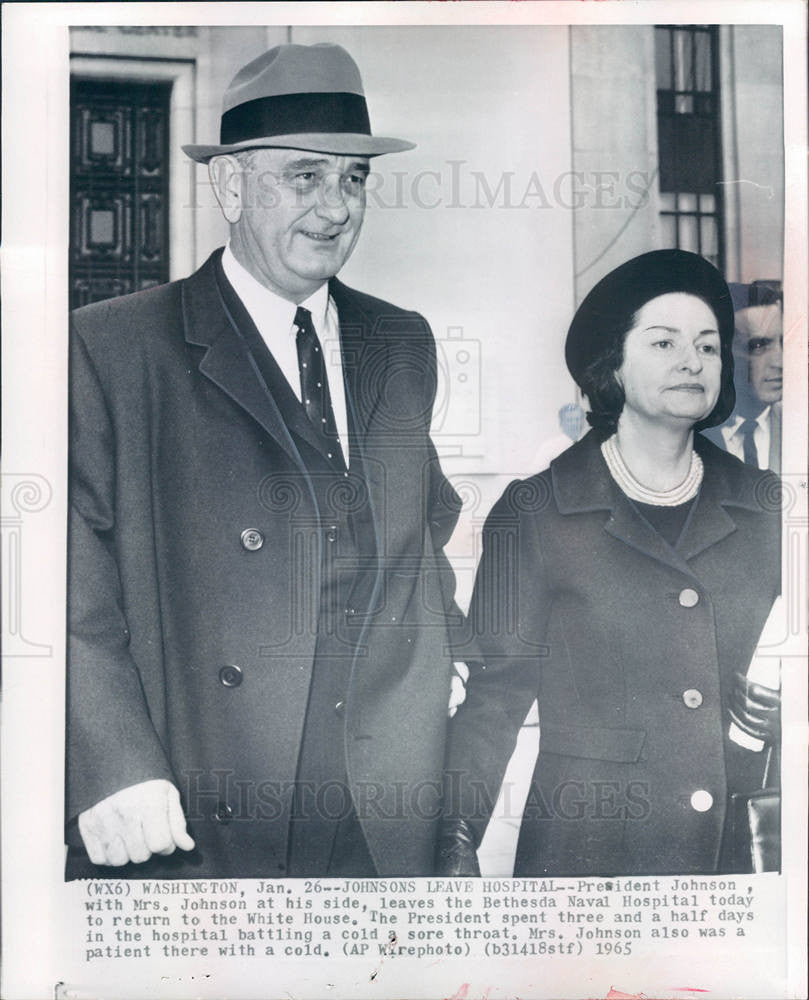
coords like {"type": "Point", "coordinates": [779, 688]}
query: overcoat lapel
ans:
{"type": "Point", "coordinates": [627, 525]}
{"type": "Point", "coordinates": [228, 363]}
{"type": "Point", "coordinates": [363, 362]}
{"type": "Point", "coordinates": [363, 358]}
{"type": "Point", "coordinates": [722, 490]}
{"type": "Point", "coordinates": [582, 484]}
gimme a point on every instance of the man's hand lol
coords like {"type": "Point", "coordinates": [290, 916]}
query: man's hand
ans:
{"type": "Point", "coordinates": [134, 824]}
{"type": "Point", "coordinates": [457, 694]}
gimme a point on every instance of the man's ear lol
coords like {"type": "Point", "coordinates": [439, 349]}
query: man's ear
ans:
{"type": "Point", "coordinates": [227, 180]}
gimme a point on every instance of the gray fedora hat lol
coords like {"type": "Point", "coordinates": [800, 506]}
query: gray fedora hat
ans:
{"type": "Point", "coordinates": [298, 97]}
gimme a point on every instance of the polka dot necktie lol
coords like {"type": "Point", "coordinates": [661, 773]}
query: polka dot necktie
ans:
{"type": "Point", "coordinates": [315, 394]}
{"type": "Point", "coordinates": [747, 430]}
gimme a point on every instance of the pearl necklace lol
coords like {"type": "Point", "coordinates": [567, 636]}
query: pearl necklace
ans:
{"type": "Point", "coordinates": [635, 490]}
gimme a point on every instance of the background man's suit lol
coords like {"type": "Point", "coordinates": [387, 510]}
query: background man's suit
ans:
{"type": "Point", "coordinates": [193, 643]}
{"type": "Point", "coordinates": [772, 460]}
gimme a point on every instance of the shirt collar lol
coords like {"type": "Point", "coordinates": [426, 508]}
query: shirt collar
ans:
{"type": "Point", "coordinates": [265, 305]}
{"type": "Point", "coordinates": [735, 422]}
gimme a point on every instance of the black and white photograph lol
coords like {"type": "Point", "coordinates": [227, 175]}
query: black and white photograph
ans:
{"type": "Point", "coordinates": [405, 500]}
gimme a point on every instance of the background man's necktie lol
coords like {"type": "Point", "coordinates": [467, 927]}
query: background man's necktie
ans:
{"type": "Point", "coordinates": [315, 394]}
{"type": "Point", "coordinates": [747, 430]}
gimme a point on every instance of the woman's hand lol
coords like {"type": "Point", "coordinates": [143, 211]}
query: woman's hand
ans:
{"type": "Point", "coordinates": [456, 853]}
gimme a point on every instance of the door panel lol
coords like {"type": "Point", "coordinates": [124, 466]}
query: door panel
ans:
{"type": "Point", "coordinates": [118, 188]}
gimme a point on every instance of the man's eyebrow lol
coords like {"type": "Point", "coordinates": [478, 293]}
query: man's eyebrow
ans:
{"type": "Point", "coordinates": [305, 163]}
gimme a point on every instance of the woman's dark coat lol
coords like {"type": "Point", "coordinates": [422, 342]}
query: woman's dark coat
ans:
{"type": "Point", "coordinates": [630, 647]}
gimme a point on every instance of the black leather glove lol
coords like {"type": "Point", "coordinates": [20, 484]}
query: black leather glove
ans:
{"type": "Point", "coordinates": [456, 853]}
{"type": "Point", "coordinates": [756, 709]}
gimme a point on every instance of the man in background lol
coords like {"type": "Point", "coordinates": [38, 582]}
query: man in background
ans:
{"type": "Point", "coordinates": [753, 431]}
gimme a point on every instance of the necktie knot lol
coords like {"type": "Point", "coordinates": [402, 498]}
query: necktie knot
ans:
{"type": "Point", "coordinates": [303, 320]}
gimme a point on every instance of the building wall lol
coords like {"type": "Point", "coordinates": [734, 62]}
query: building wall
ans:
{"type": "Point", "coordinates": [612, 81]}
{"type": "Point", "coordinates": [753, 142]}
{"type": "Point", "coordinates": [615, 131]}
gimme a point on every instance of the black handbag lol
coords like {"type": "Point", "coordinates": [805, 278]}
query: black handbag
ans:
{"type": "Point", "coordinates": [755, 827]}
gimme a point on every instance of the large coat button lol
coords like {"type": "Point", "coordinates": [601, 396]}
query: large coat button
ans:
{"type": "Point", "coordinates": [688, 598]}
{"type": "Point", "coordinates": [331, 533]}
{"type": "Point", "coordinates": [252, 539]}
{"type": "Point", "coordinates": [231, 676]}
{"type": "Point", "coordinates": [701, 800]}
{"type": "Point", "coordinates": [692, 698]}
{"type": "Point", "coordinates": [340, 708]}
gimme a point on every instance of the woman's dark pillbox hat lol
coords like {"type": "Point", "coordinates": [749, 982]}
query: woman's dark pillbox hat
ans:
{"type": "Point", "coordinates": [605, 314]}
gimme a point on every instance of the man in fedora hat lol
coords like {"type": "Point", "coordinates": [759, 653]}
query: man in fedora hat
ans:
{"type": "Point", "coordinates": [259, 604]}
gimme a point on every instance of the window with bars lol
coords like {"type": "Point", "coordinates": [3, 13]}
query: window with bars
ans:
{"type": "Point", "coordinates": [688, 138]}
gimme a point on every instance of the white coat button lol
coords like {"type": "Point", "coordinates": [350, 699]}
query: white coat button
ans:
{"type": "Point", "coordinates": [688, 598]}
{"type": "Point", "coordinates": [331, 533]}
{"type": "Point", "coordinates": [340, 708]}
{"type": "Point", "coordinates": [692, 698]}
{"type": "Point", "coordinates": [252, 539]}
{"type": "Point", "coordinates": [701, 800]}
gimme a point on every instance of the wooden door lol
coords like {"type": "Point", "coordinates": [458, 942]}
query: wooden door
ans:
{"type": "Point", "coordinates": [118, 188]}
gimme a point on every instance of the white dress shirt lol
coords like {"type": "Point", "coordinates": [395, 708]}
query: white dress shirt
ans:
{"type": "Point", "coordinates": [274, 316]}
{"type": "Point", "coordinates": [734, 439]}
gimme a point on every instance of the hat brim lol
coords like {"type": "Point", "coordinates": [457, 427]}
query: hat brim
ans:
{"type": "Point", "coordinates": [631, 285]}
{"type": "Point", "coordinates": [337, 143]}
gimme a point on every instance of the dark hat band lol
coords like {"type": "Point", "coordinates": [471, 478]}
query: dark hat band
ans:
{"type": "Point", "coordinates": [289, 114]}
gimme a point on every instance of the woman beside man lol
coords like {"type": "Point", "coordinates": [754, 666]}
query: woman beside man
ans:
{"type": "Point", "coordinates": [625, 588]}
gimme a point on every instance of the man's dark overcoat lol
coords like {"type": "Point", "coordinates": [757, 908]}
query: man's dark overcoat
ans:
{"type": "Point", "coordinates": [630, 646]}
{"type": "Point", "coordinates": [177, 448]}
